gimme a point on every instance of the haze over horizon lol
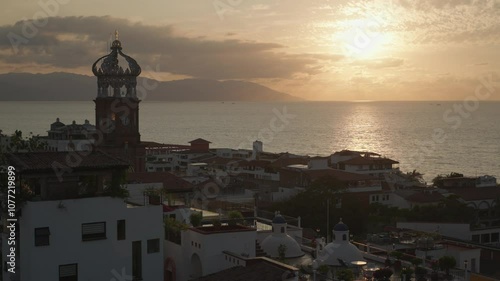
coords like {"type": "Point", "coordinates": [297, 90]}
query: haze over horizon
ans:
{"type": "Point", "coordinates": [316, 50]}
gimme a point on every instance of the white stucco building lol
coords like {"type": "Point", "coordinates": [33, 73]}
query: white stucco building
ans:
{"type": "Point", "coordinates": [70, 228]}
{"type": "Point", "coordinates": [77, 137]}
{"type": "Point", "coordinates": [200, 250]}
{"type": "Point", "coordinates": [90, 239]}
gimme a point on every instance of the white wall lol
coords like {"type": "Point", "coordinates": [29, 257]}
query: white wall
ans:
{"type": "Point", "coordinates": [210, 251]}
{"type": "Point", "coordinates": [460, 254]}
{"type": "Point", "coordinates": [96, 259]}
{"type": "Point", "coordinates": [62, 145]}
{"type": "Point", "coordinates": [318, 164]}
{"type": "Point", "coordinates": [136, 191]}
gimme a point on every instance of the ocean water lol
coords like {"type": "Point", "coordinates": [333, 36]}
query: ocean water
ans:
{"type": "Point", "coordinates": [433, 138]}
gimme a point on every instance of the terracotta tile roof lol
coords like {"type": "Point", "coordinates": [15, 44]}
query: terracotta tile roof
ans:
{"type": "Point", "coordinates": [203, 158]}
{"type": "Point", "coordinates": [287, 161]}
{"type": "Point", "coordinates": [44, 161]}
{"type": "Point", "coordinates": [339, 174]}
{"type": "Point", "coordinates": [164, 145]}
{"type": "Point", "coordinates": [220, 160]}
{"type": "Point", "coordinates": [478, 193]}
{"type": "Point", "coordinates": [425, 197]}
{"type": "Point", "coordinates": [255, 163]}
{"type": "Point", "coordinates": [368, 161]}
{"type": "Point", "coordinates": [200, 140]}
{"type": "Point", "coordinates": [170, 181]}
{"type": "Point", "coordinates": [347, 152]}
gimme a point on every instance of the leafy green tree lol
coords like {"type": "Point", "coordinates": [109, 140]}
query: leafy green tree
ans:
{"type": "Point", "coordinates": [235, 217]}
{"type": "Point", "coordinates": [282, 252]}
{"type": "Point", "coordinates": [345, 274]}
{"type": "Point", "coordinates": [446, 263]}
{"type": "Point", "coordinates": [312, 204]}
{"type": "Point", "coordinates": [437, 181]}
{"type": "Point", "coordinates": [195, 218]}
{"type": "Point", "coordinates": [19, 143]}
{"type": "Point", "coordinates": [323, 269]}
{"type": "Point", "coordinates": [383, 274]}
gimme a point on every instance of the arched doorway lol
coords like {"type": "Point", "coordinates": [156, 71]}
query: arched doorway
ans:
{"type": "Point", "coordinates": [196, 269]}
{"type": "Point", "coordinates": [170, 270]}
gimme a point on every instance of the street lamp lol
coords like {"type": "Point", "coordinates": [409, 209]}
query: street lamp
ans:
{"type": "Point", "coordinates": [315, 266]}
{"type": "Point", "coordinates": [465, 267]}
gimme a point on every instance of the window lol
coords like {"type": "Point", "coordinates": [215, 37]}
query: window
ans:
{"type": "Point", "coordinates": [120, 230]}
{"type": "Point", "coordinates": [153, 246]}
{"type": "Point", "coordinates": [485, 238]}
{"type": "Point", "coordinates": [282, 229]}
{"type": "Point", "coordinates": [93, 231]}
{"type": "Point", "coordinates": [494, 237]}
{"type": "Point", "coordinates": [68, 272]}
{"type": "Point", "coordinates": [42, 236]}
{"type": "Point", "coordinates": [344, 237]}
{"type": "Point", "coordinates": [475, 238]}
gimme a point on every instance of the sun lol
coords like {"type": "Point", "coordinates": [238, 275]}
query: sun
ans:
{"type": "Point", "coordinates": [361, 33]}
{"type": "Point", "coordinates": [361, 38]}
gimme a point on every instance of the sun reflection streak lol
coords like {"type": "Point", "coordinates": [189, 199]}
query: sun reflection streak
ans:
{"type": "Point", "coordinates": [361, 129]}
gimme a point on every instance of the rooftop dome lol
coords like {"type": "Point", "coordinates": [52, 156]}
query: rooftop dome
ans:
{"type": "Point", "coordinates": [341, 226]}
{"type": "Point", "coordinates": [336, 254]}
{"type": "Point", "coordinates": [279, 219]}
{"type": "Point", "coordinates": [56, 125]}
{"type": "Point", "coordinates": [340, 251]}
{"type": "Point", "coordinates": [117, 70]}
{"type": "Point", "coordinates": [279, 237]}
{"type": "Point", "coordinates": [271, 243]}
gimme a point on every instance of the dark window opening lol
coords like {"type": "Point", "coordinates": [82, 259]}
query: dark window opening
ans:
{"type": "Point", "coordinates": [495, 237]}
{"type": "Point", "coordinates": [93, 231]}
{"type": "Point", "coordinates": [137, 260]}
{"type": "Point", "coordinates": [68, 272]}
{"type": "Point", "coordinates": [475, 238]}
{"type": "Point", "coordinates": [153, 246]}
{"type": "Point", "coordinates": [120, 230]}
{"type": "Point", "coordinates": [42, 236]}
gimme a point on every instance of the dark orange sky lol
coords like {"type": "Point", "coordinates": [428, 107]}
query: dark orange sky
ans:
{"type": "Point", "coordinates": [318, 50]}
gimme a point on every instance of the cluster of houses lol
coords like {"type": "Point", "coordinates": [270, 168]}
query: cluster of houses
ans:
{"type": "Point", "coordinates": [100, 204]}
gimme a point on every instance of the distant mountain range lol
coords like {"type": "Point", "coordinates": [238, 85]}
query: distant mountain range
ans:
{"type": "Point", "coordinates": [73, 87]}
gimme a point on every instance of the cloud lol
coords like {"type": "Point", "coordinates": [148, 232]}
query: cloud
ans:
{"type": "Point", "coordinates": [72, 42]}
{"type": "Point", "coordinates": [427, 5]}
{"type": "Point", "coordinates": [260, 7]}
{"type": "Point", "coordinates": [380, 63]}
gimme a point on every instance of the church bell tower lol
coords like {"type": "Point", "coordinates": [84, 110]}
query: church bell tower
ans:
{"type": "Point", "coordinates": [117, 105]}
